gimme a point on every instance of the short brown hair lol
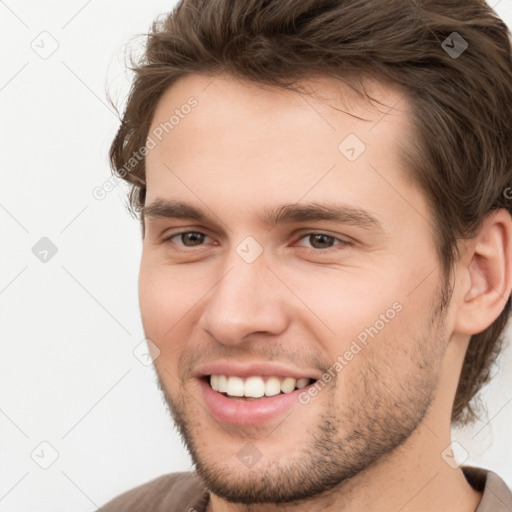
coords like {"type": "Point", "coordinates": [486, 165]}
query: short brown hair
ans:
{"type": "Point", "coordinates": [460, 97]}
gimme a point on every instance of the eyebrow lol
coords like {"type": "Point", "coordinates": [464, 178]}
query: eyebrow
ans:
{"type": "Point", "coordinates": [283, 214]}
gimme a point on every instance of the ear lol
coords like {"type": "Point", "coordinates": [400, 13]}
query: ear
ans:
{"type": "Point", "coordinates": [487, 266]}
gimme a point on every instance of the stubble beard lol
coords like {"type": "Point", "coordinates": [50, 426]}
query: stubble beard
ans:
{"type": "Point", "coordinates": [371, 421]}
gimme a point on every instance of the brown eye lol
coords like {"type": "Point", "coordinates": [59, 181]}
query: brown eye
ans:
{"type": "Point", "coordinates": [189, 238]}
{"type": "Point", "coordinates": [321, 241]}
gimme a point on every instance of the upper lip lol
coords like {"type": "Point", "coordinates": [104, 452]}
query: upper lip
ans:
{"type": "Point", "coordinates": [253, 369]}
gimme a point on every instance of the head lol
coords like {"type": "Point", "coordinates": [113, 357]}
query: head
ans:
{"type": "Point", "coordinates": [341, 170]}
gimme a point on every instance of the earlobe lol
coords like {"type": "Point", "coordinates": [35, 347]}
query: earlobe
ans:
{"type": "Point", "coordinates": [488, 264]}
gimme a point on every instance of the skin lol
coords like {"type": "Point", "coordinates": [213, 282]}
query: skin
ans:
{"type": "Point", "coordinates": [373, 438]}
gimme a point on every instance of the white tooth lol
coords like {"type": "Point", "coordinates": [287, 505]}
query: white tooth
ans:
{"type": "Point", "coordinates": [214, 382]}
{"type": "Point", "coordinates": [288, 385]}
{"type": "Point", "coordinates": [272, 386]}
{"type": "Point", "coordinates": [235, 386]}
{"type": "Point", "coordinates": [254, 387]}
{"type": "Point", "coordinates": [303, 381]}
{"type": "Point", "coordinates": [222, 383]}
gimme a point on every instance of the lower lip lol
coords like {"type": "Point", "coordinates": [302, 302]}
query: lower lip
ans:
{"type": "Point", "coordinates": [248, 412]}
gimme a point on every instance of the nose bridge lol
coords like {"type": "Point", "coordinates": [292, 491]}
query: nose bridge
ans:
{"type": "Point", "coordinates": [245, 300]}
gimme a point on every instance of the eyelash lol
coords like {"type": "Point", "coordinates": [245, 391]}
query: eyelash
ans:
{"type": "Point", "coordinates": [305, 235]}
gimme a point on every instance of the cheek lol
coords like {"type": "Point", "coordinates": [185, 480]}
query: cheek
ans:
{"type": "Point", "coordinates": [381, 362]}
{"type": "Point", "coordinates": [354, 312]}
{"type": "Point", "coordinates": [164, 300]}
{"type": "Point", "coordinates": [153, 300]}
{"type": "Point", "coordinates": [341, 302]}
{"type": "Point", "coordinates": [163, 308]}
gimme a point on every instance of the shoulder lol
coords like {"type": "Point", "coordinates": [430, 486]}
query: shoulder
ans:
{"type": "Point", "coordinates": [176, 491]}
{"type": "Point", "coordinates": [496, 495]}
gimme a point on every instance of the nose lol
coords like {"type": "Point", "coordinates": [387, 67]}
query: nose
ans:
{"type": "Point", "coordinates": [247, 299]}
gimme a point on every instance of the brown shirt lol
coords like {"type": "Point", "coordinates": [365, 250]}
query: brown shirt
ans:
{"type": "Point", "coordinates": [184, 492]}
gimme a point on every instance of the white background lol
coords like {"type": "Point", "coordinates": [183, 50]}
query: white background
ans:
{"type": "Point", "coordinates": [69, 326]}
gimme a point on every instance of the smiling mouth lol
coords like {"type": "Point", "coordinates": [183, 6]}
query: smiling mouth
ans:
{"type": "Point", "coordinates": [255, 387]}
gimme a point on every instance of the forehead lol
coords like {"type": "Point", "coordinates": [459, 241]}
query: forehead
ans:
{"type": "Point", "coordinates": [309, 93]}
{"type": "Point", "coordinates": [252, 142]}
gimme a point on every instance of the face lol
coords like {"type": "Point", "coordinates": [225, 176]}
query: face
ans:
{"type": "Point", "coordinates": [283, 238]}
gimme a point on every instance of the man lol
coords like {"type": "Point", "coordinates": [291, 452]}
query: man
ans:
{"type": "Point", "coordinates": [326, 268]}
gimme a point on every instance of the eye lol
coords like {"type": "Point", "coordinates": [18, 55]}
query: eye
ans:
{"type": "Point", "coordinates": [188, 238]}
{"type": "Point", "coordinates": [320, 241]}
